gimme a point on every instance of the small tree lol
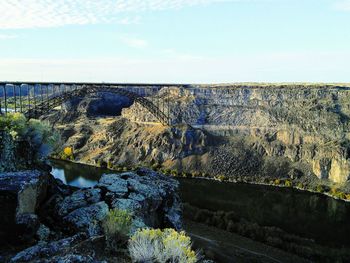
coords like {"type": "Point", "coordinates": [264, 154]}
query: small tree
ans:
{"type": "Point", "coordinates": [68, 152]}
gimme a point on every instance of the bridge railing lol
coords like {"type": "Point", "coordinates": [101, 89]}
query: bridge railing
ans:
{"type": "Point", "coordinates": [24, 97]}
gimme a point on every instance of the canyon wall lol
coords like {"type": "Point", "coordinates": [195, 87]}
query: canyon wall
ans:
{"type": "Point", "coordinates": [305, 123]}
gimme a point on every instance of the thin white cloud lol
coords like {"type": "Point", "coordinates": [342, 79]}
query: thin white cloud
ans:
{"type": "Point", "coordinates": [7, 36]}
{"type": "Point", "coordinates": [134, 42]}
{"type": "Point", "coordinates": [130, 20]}
{"type": "Point", "coordinates": [173, 53]}
{"type": "Point", "coordinates": [343, 5]}
{"type": "Point", "coordinates": [54, 13]}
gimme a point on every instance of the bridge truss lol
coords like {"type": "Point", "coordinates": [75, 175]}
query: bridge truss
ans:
{"type": "Point", "coordinates": [36, 99]}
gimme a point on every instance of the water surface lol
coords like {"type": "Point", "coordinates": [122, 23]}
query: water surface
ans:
{"type": "Point", "coordinates": [78, 175]}
{"type": "Point", "coordinates": [309, 215]}
{"type": "Point", "coordinates": [305, 214]}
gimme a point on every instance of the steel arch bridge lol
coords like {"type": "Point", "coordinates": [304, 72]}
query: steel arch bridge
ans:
{"type": "Point", "coordinates": [36, 99]}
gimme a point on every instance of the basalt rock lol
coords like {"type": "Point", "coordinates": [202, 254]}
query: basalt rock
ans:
{"type": "Point", "coordinates": [66, 223]}
{"type": "Point", "coordinates": [87, 218]}
{"type": "Point", "coordinates": [21, 195]}
{"type": "Point", "coordinates": [77, 249]}
{"type": "Point", "coordinates": [78, 199]}
{"type": "Point", "coordinates": [150, 196]}
{"type": "Point", "coordinates": [113, 184]}
{"type": "Point", "coordinates": [47, 250]}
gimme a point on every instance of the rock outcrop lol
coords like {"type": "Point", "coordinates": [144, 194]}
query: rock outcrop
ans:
{"type": "Point", "coordinates": [61, 220]}
{"type": "Point", "coordinates": [150, 196]}
{"type": "Point", "coordinates": [304, 125]}
{"type": "Point", "coordinates": [21, 195]}
{"type": "Point", "coordinates": [46, 250]}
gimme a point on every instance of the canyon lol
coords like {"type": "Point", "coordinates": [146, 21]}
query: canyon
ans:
{"type": "Point", "coordinates": [285, 135]}
{"type": "Point", "coordinates": [262, 130]}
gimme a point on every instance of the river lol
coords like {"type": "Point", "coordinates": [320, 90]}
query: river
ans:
{"type": "Point", "coordinates": [308, 215]}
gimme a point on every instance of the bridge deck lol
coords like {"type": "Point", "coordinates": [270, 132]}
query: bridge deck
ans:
{"type": "Point", "coordinates": [37, 98]}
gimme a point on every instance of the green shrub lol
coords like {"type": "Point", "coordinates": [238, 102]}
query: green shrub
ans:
{"type": "Point", "coordinates": [300, 185]}
{"type": "Point", "coordinates": [133, 168]}
{"type": "Point", "coordinates": [41, 139]}
{"type": "Point", "coordinates": [277, 182]}
{"type": "Point", "coordinates": [116, 227]}
{"type": "Point", "coordinates": [341, 195]}
{"type": "Point", "coordinates": [222, 178]}
{"type": "Point", "coordinates": [185, 175]}
{"type": "Point", "coordinates": [288, 183]}
{"type": "Point", "coordinates": [196, 174]}
{"type": "Point", "coordinates": [338, 193]}
{"type": "Point", "coordinates": [320, 189]}
{"type": "Point", "coordinates": [155, 245]}
{"type": "Point", "coordinates": [14, 123]}
{"type": "Point", "coordinates": [177, 246]}
{"type": "Point", "coordinates": [156, 166]}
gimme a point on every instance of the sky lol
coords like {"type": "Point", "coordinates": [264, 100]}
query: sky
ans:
{"type": "Point", "coordinates": [175, 41]}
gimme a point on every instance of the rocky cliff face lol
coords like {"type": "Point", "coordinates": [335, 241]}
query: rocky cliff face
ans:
{"type": "Point", "coordinates": [308, 124]}
{"type": "Point", "coordinates": [270, 130]}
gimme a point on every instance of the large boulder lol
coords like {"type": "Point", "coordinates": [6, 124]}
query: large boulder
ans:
{"type": "Point", "coordinates": [78, 199]}
{"type": "Point", "coordinates": [21, 194]}
{"type": "Point", "coordinates": [114, 184]}
{"type": "Point", "coordinates": [150, 196]}
{"type": "Point", "coordinates": [87, 218]}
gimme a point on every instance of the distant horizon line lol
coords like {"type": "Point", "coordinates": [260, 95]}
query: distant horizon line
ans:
{"type": "Point", "coordinates": [254, 83]}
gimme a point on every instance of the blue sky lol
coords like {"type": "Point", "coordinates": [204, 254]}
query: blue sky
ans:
{"type": "Point", "coordinates": [175, 41]}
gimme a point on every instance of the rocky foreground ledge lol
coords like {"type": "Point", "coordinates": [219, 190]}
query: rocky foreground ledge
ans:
{"type": "Point", "coordinates": [59, 223]}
